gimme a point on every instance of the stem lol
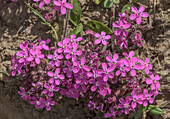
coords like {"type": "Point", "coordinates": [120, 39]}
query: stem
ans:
{"type": "Point", "coordinates": [67, 21]}
{"type": "Point", "coordinates": [55, 33]}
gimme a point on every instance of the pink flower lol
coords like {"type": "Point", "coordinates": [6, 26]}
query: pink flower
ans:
{"type": "Point", "coordinates": [42, 44]}
{"type": "Point", "coordinates": [153, 81]}
{"type": "Point", "coordinates": [112, 61]}
{"type": "Point", "coordinates": [80, 66]}
{"type": "Point", "coordinates": [50, 89]}
{"type": "Point", "coordinates": [48, 103]}
{"type": "Point", "coordinates": [138, 14]}
{"type": "Point", "coordinates": [112, 114]}
{"type": "Point", "coordinates": [145, 65]}
{"type": "Point", "coordinates": [147, 97]}
{"type": "Point", "coordinates": [55, 76]}
{"type": "Point", "coordinates": [122, 42]}
{"type": "Point", "coordinates": [35, 54]}
{"type": "Point", "coordinates": [107, 71]}
{"type": "Point", "coordinates": [63, 44]}
{"type": "Point", "coordinates": [136, 99]}
{"type": "Point", "coordinates": [38, 103]}
{"type": "Point", "coordinates": [55, 58]}
{"type": "Point", "coordinates": [62, 5]}
{"type": "Point", "coordinates": [121, 28]}
{"type": "Point", "coordinates": [125, 104]}
{"type": "Point", "coordinates": [42, 2]}
{"type": "Point", "coordinates": [103, 37]}
{"type": "Point", "coordinates": [24, 94]}
{"type": "Point", "coordinates": [73, 52]}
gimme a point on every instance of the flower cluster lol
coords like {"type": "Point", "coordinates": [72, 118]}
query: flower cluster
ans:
{"type": "Point", "coordinates": [112, 82]}
{"type": "Point", "coordinates": [57, 5]}
{"type": "Point", "coordinates": [126, 30]}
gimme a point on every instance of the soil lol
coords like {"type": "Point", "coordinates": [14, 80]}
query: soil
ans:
{"type": "Point", "coordinates": [18, 24]}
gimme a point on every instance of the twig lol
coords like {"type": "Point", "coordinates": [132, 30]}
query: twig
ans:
{"type": "Point", "coordinates": [67, 22]}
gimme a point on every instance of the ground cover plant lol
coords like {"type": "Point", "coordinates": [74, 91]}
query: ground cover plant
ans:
{"type": "Point", "coordinates": [113, 78]}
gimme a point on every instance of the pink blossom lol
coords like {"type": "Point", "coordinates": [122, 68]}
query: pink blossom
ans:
{"type": "Point", "coordinates": [42, 2]}
{"type": "Point", "coordinates": [55, 76]}
{"type": "Point", "coordinates": [112, 61]}
{"type": "Point", "coordinates": [153, 81]}
{"type": "Point", "coordinates": [107, 71]}
{"type": "Point", "coordinates": [112, 114]}
{"type": "Point", "coordinates": [122, 42]}
{"type": "Point", "coordinates": [55, 58]}
{"type": "Point", "coordinates": [121, 28]}
{"type": "Point", "coordinates": [50, 89]}
{"type": "Point", "coordinates": [48, 103]}
{"type": "Point", "coordinates": [138, 14]}
{"type": "Point", "coordinates": [62, 5]}
{"type": "Point", "coordinates": [145, 65]}
{"type": "Point", "coordinates": [125, 104]}
{"type": "Point", "coordinates": [147, 97]}
{"type": "Point", "coordinates": [102, 38]}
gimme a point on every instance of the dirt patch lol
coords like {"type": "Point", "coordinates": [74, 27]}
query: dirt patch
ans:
{"type": "Point", "coordinates": [18, 24]}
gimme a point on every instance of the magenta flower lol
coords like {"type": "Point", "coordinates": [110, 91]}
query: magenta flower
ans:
{"type": "Point", "coordinates": [23, 55]}
{"type": "Point", "coordinates": [63, 44]}
{"type": "Point", "coordinates": [62, 5]}
{"type": "Point", "coordinates": [112, 61]}
{"type": "Point", "coordinates": [48, 103]}
{"type": "Point", "coordinates": [42, 2]}
{"type": "Point", "coordinates": [107, 71]}
{"type": "Point", "coordinates": [145, 65]}
{"type": "Point", "coordinates": [68, 70]}
{"type": "Point", "coordinates": [55, 58]}
{"type": "Point", "coordinates": [16, 66]}
{"type": "Point", "coordinates": [78, 66]}
{"type": "Point", "coordinates": [132, 66]}
{"type": "Point", "coordinates": [136, 98]}
{"type": "Point", "coordinates": [50, 89]}
{"type": "Point", "coordinates": [122, 69]}
{"type": "Point", "coordinates": [74, 39]}
{"type": "Point", "coordinates": [138, 14]}
{"type": "Point", "coordinates": [38, 103]}
{"type": "Point", "coordinates": [97, 83]}
{"type": "Point", "coordinates": [23, 93]}
{"type": "Point", "coordinates": [35, 54]}
{"type": "Point", "coordinates": [121, 28]}
{"type": "Point", "coordinates": [112, 114]}
{"type": "Point", "coordinates": [122, 42]}
{"type": "Point", "coordinates": [125, 104]}
{"type": "Point", "coordinates": [102, 38]}
{"type": "Point", "coordinates": [72, 53]}
{"type": "Point", "coordinates": [42, 44]}
{"type": "Point", "coordinates": [153, 81]}
{"type": "Point", "coordinates": [55, 76]}
{"type": "Point", "coordinates": [147, 97]}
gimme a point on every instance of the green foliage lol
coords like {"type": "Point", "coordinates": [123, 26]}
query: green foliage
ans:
{"type": "Point", "coordinates": [44, 21]}
{"type": "Point", "coordinates": [36, 12]}
{"type": "Point", "coordinates": [98, 1]}
{"type": "Point", "coordinates": [126, 7]}
{"type": "Point", "coordinates": [75, 14]}
{"type": "Point", "coordinates": [98, 27]}
{"type": "Point", "coordinates": [109, 3]}
{"type": "Point", "coordinates": [78, 30]}
{"type": "Point", "coordinates": [155, 110]}
{"type": "Point", "coordinates": [136, 53]}
{"type": "Point", "coordinates": [140, 111]}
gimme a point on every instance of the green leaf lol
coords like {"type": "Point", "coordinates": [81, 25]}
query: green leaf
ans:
{"type": "Point", "coordinates": [116, 1]}
{"type": "Point", "coordinates": [126, 7]}
{"type": "Point", "coordinates": [136, 54]}
{"type": "Point", "coordinates": [155, 110]}
{"type": "Point", "coordinates": [98, 27]}
{"type": "Point", "coordinates": [97, 1]}
{"type": "Point", "coordinates": [78, 30]}
{"type": "Point", "coordinates": [75, 14]}
{"type": "Point", "coordinates": [108, 3]}
{"type": "Point", "coordinates": [134, 0]}
{"type": "Point", "coordinates": [139, 112]}
{"type": "Point", "coordinates": [36, 12]}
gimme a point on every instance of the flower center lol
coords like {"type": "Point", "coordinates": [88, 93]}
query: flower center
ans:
{"type": "Point", "coordinates": [55, 76]}
{"type": "Point", "coordinates": [95, 76]}
{"type": "Point", "coordinates": [38, 103]}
